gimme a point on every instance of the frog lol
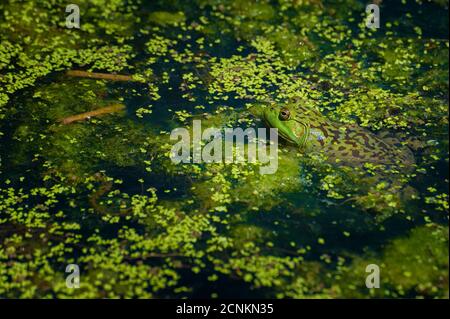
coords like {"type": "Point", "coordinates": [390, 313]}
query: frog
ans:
{"type": "Point", "coordinates": [349, 144]}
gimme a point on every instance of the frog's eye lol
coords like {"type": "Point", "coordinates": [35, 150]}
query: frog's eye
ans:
{"type": "Point", "coordinates": [285, 114]}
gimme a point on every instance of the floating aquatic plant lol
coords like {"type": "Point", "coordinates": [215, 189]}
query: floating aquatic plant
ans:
{"type": "Point", "coordinates": [103, 193]}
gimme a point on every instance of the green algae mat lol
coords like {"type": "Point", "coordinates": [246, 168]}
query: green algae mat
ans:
{"type": "Point", "coordinates": [94, 204]}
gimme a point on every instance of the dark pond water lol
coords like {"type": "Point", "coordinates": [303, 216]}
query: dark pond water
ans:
{"type": "Point", "coordinates": [103, 193]}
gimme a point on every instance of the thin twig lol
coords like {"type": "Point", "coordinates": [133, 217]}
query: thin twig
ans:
{"type": "Point", "coordinates": [114, 108]}
{"type": "Point", "coordinates": [101, 76]}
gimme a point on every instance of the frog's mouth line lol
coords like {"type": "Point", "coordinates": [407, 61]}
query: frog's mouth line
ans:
{"type": "Point", "coordinates": [280, 133]}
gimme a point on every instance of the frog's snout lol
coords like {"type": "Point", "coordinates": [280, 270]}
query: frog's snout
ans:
{"type": "Point", "coordinates": [268, 113]}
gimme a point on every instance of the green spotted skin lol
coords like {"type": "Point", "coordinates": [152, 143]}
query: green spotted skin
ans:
{"type": "Point", "coordinates": [311, 131]}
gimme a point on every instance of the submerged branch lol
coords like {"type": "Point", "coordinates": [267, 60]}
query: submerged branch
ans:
{"type": "Point", "coordinates": [101, 76]}
{"type": "Point", "coordinates": [114, 108]}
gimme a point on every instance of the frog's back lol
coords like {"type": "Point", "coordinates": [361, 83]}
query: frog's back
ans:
{"type": "Point", "coordinates": [357, 145]}
{"type": "Point", "coordinates": [349, 144]}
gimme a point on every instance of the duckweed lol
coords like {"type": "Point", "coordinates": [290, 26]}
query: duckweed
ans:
{"type": "Point", "coordinates": [103, 193]}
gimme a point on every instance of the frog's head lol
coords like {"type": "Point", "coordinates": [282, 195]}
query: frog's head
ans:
{"type": "Point", "coordinates": [284, 119]}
